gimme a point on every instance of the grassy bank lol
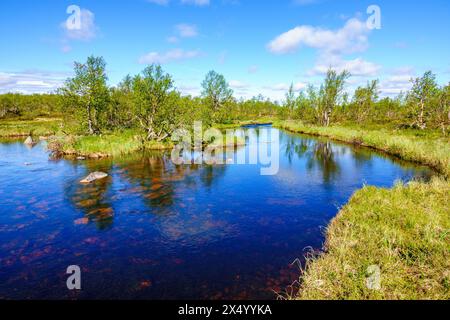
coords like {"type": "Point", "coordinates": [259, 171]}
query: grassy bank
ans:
{"type": "Point", "coordinates": [107, 145]}
{"type": "Point", "coordinates": [115, 144]}
{"type": "Point", "coordinates": [38, 127]}
{"type": "Point", "coordinates": [404, 231]}
{"type": "Point", "coordinates": [423, 147]}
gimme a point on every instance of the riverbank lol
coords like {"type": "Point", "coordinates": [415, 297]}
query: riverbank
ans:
{"type": "Point", "coordinates": [102, 146]}
{"type": "Point", "coordinates": [403, 233]}
{"type": "Point", "coordinates": [420, 147]}
{"type": "Point", "coordinates": [115, 144]}
{"type": "Point", "coordinates": [22, 128]}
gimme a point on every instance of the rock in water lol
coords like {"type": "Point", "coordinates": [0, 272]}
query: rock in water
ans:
{"type": "Point", "coordinates": [29, 141]}
{"type": "Point", "coordinates": [94, 176]}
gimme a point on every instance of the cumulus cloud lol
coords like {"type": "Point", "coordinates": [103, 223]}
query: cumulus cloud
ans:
{"type": "Point", "coordinates": [397, 82]}
{"type": "Point", "coordinates": [351, 38]}
{"type": "Point", "coordinates": [356, 67]}
{"type": "Point", "coordinates": [32, 81]}
{"type": "Point", "coordinates": [87, 31]}
{"type": "Point", "coordinates": [169, 56]}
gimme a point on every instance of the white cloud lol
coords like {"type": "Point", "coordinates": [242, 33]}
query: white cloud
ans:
{"type": "Point", "coordinates": [356, 67]}
{"type": "Point", "coordinates": [399, 81]}
{"type": "Point", "coordinates": [186, 30]}
{"type": "Point", "coordinates": [32, 81]}
{"type": "Point", "coordinates": [87, 31]}
{"type": "Point", "coordinates": [169, 56]}
{"type": "Point", "coordinates": [332, 46]}
{"type": "Point", "coordinates": [351, 38]}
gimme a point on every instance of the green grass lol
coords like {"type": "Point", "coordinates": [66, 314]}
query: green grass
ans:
{"type": "Point", "coordinates": [404, 231]}
{"type": "Point", "coordinates": [37, 127]}
{"type": "Point", "coordinates": [426, 147]}
{"type": "Point", "coordinates": [106, 145]}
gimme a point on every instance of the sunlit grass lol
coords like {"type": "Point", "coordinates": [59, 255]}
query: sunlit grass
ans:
{"type": "Point", "coordinates": [112, 144]}
{"type": "Point", "coordinates": [404, 231]}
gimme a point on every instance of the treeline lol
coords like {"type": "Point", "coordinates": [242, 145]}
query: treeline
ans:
{"type": "Point", "coordinates": [426, 105]}
{"type": "Point", "coordinates": [151, 102]}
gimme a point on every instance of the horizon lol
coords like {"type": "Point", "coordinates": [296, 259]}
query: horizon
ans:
{"type": "Point", "coordinates": [292, 41]}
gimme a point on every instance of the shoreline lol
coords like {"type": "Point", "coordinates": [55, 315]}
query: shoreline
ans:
{"type": "Point", "coordinates": [365, 232]}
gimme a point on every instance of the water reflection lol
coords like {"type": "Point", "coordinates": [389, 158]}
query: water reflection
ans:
{"type": "Point", "coordinates": [155, 230]}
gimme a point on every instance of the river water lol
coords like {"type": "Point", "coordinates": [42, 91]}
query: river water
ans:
{"type": "Point", "coordinates": [155, 230]}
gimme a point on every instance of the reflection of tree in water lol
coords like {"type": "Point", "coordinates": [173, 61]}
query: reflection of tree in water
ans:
{"type": "Point", "coordinates": [162, 182]}
{"type": "Point", "coordinates": [154, 175]}
{"type": "Point", "coordinates": [296, 146]}
{"type": "Point", "coordinates": [318, 153]}
{"type": "Point", "coordinates": [93, 199]}
{"type": "Point", "coordinates": [324, 158]}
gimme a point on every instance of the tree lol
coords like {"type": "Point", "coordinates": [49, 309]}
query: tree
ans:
{"type": "Point", "coordinates": [154, 101]}
{"type": "Point", "coordinates": [364, 99]}
{"type": "Point", "coordinates": [120, 109]}
{"type": "Point", "coordinates": [216, 92]}
{"type": "Point", "coordinates": [87, 93]}
{"type": "Point", "coordinates": [443, 108]}
{"type": "Point", "coordinates": [291, 102]}
{"type": "Point", "coordinates": [331, 92]}
{"type": "Point", "coordinates": [421, 96]}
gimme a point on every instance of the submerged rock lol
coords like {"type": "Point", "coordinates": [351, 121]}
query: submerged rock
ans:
{"type": "Point", "coordinates": [29, 141]}
{"type": "Point", "coordinates": [94, 176]}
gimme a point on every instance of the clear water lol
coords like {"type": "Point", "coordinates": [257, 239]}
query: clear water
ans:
{"type": "Point", "coordinates": [153, 230]}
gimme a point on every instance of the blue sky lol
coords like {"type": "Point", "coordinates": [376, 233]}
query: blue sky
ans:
{"type": "Point", "coordinates": [261, 46]}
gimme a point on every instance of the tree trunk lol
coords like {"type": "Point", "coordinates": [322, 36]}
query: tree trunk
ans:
{"type": "Point", "coordinates": [90, 126]}
{"type": "Point", "coordinates": [422, 124]}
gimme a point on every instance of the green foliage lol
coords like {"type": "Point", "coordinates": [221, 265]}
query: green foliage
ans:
{"type": "Point", "coordinates": [155, 103]}
{"type": "Point", "coordinates": [217, 95]}
{"type": "Point", "coordinates": [86, 95]}
{"type": "Point", "coordinates": [28, 107]}
{"type": "Point", "coordinates": [421, 97]}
